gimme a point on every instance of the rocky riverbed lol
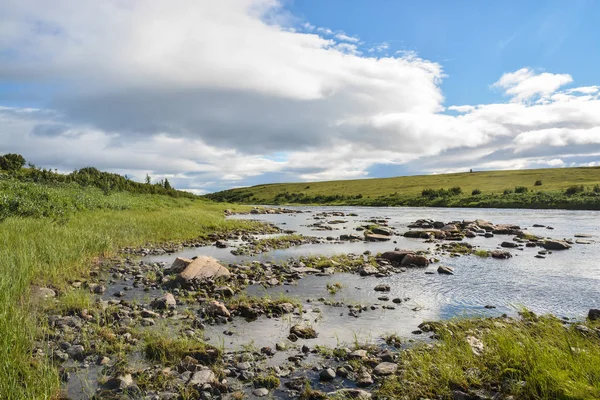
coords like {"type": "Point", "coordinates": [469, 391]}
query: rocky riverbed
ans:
{"type": "Point", "coordinates": [275, 313]}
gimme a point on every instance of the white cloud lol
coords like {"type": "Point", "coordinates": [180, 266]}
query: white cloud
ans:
{"type": "Point", "coordinates": [524, 84]}
{"type": "Point", "coordinates": [220, 94]}
{"type": "Point", "coordinates": [342, 36]}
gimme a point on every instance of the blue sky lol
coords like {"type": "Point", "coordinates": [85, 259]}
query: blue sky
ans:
{"type": "Point", "coordinates": [213, 95]}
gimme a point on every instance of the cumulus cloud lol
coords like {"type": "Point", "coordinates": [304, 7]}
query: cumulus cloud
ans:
{"type": "Point", "coordinates": [221, 94]}
{"type": "Point", "coordinates": [525, 84]}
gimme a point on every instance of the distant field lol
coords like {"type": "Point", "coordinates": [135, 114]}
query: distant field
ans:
{"type": "Point", "coordinates": [408, 190]}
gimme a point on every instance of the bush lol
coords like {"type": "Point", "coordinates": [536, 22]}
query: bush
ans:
{"type": "Point", "coordinates": [12, 162]}
{"type": "Point", "coordinates": [521, 189]}
{"type": "Point", "coordinates": [455, 191]}
{"type": "Point", "coordinates": [596, 189]}
{"type": "Point", "coordinates": [475, 192]}
{"type": "Point", "coordinates": [507, 191]}
{"type": "Point", "coordinates": [538, 183]}
{"type": "Point", "coordinates": [571, 190]}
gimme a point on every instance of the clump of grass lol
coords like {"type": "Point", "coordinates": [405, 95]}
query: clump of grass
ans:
{"type": "Point", "coordinates": [267, 382]}
{"type": "Point", "coordinates": [531, 358]}
{"type": "Point", "coordinates": [333, 288]}
{"type": "Point", "coordinates": [481, 253]}
{"type": "Point", "coordinates": [521, 189]}
{"type": "Point", "coordinates": [74, 301]}
{"type": "Point", "coordinates": [475, 192]}
{"type": "Point", "coordinates": [169, 351]}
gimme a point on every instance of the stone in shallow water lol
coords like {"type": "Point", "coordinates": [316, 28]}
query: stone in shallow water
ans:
{"type": "Point", "coordinates": [385, 368]}
{"type": "Point", "coordinates": [327, 375]}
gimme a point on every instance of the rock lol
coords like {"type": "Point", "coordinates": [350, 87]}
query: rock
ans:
{"type": "Point", "coordinates": [303, 332]}
{"type": "Point", "coordinates": [368, 270]}
{"type": "Point", "coordinates": [594, 314]}
{"type": "Point", "coordinates": [501, 254]}
{"type": "Point", "coordinates": [395, 256]}
{"type": "Point", "coordinates": [510, 245]}
{"type": "Point", "coordinates": [382, 230]}
{"type": "Point", "coordinates": [286, 308]}
{"type": "Point", "coordinates": [357, 394]}
{"type": "Point", "coordinates": [556, 245]}
{"type": "Point", "coordinates": [124, 381]}
{"type": "Point", "coordinates": [180, 264]}
{"type": "Point", "coordinates": [203, 268]}
{"type": "Point", "coordinates": [99, 289]}
{"type": "Point", "coordinates": [359, 354]}
{"type": "Point", "coordinates": [201, 378]}
{"type": "Point", "coordinates": [581, 241]}
{"type": "Point", "coordinates": [385, 368]}
{"type": "Point", "coordinates": [476, 345]}
{"type": "Point", "coordinates": [42, 293]}
{"type": "Point", "coordinates": [397, 300]}
{"type": "Point", "coordinates": [260, 392]}
{"type": "Point", "coordinates": [226, 291]}
{"type": "Point", "coordinates": [147, 322]}
{"type": "Point", "coordinates": [364, 379]}
{"type": "Point", "coordinates": [373, 237]}
{"type": "Point", "coordinates": [163, 302]}
{"type": "Point", "coordinates": [76, 352]}
{"type": "Point", "coordinates": [280, 346]}
{"type": "Point", "coordinates": [445, 270]}
{"type": "Point", "coordinates": [416, 260]}
{"type": "Point", "coordinates": [244, 366]}
{"type": "Point", "coordinates": [221, 244]}
{"type": "Point", "coordinates": [382, 288]}
{"type": "Point", "coordinates": [216, 308]}
{"type": "Point", "coordinates": [327, 375]}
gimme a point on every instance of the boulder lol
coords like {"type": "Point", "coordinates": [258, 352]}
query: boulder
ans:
{"type": "Point", "coordinates": [374, 237]}
{"type": "Point", "coordinates": [385, 368]}
{"type": "Point", "coordinates": [359, 354]}
{"type": "Point", "coordinates": [416, 260]}
{"type": "Point", "coordinates": [556, 245]}
{"type": "Point", "coordinates": [510, 245]}
{"type": "Point", "coordinates": [41, 293]}
{"type": "Point", "coordinates": [216, 308]}
{"type": "Point", "coordinates": [500, 254]}
{"type": "Point", "coordinates": [303, 332]}
{"type": "Point", "coordinates": [179, 264]}
{"type": "Point", "coordinates": [367, 270]}
{"type": "Point", "coordinates": [163, 302]}
{"type": "Point", "coordinates": [382, 230]}
{"type": "Point", "coordinates": [395, 256]}
{"type": "Point", "coordinates": [594, 314]}
{"type": "Point", "coordinates": [203, 268]}
{"type": "Point", "coordinates": [327, 375]}
{"type": "Point", "coordinates": [445, 270]}
{"type": "Point", "coordinates": [202, 378]}
{"type": "Point", "coordinates": [286, 308]}
{"type": "Point", "coordinates": [382, 288]}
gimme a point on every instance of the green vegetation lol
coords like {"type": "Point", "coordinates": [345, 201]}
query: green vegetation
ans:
{"type": "Point", "coordinates": [161, 348]}
{"type": "Point", "coordinates": [530, 358]}
{"type": "Point", "coordinates": [333, 288]}
{"type": "Point", "coordinates": [53, 230]}
{"type": "Point", "coordinates": [569, 188]}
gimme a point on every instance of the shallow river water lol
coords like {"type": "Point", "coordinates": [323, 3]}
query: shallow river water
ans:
{"type": "Point", "coordinates": [565, 283]}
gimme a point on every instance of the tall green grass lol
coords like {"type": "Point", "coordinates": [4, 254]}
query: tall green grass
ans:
{"type": "Point", "coordinates": [48, 251]}
{"type": "Point", "coordinates": [534, 358]}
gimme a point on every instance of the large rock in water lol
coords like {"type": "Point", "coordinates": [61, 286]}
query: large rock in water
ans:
{"type": "Point", "coordinates": [382, 230]}
{"type": "Point", "coordinates": [594, 314]}
{"type": "Point", "coordinates": [179, 264]}
{"type": "Point", "coordinates": [395, 256]}
{"type": "Point", "coordinates": [374, 237]}
{"type": "Point", "coordinates": [416, 260]}
{"type": "Point", "coordinates": [556, 245]}
{"type": "Point", "coordinates": [202, 268]}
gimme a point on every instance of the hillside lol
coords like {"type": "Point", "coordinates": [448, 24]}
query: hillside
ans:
{"type": "Point", "coordinates": [576, 188]}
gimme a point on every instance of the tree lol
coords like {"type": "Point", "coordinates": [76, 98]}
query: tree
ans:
{"type": "Point", "coordinates": [167, 185]}
{"type": "Point", "coordinates": [148, 179]}
{"type": "Point", "coordinates": [12, 162]}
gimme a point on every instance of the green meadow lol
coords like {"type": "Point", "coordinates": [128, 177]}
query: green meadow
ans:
{"type": "Point", "coordinates": [571, 188]}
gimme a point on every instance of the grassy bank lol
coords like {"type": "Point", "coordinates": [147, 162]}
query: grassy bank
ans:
{"type": "Point", "coordinates": [57, 240]}
{"type": "Point", "coordinates": [569, 188]}
{"type": "Point", "coordinates": [532, 358]}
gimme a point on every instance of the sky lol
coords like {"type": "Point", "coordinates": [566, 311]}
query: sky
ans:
{"type": "Point", "coordinates": [215, 95]}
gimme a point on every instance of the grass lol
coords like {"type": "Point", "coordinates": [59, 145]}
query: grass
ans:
{"type": "Point", "coordinates": [333, 288]}
{"type": "Point", "coordinates": [532, 358]}
{"type": "Point", "coordinates": [561, 188]}
{"type": "Point", "coordinates": [168, 351]}
{"type": "Point", "coordinates": [49, 251]}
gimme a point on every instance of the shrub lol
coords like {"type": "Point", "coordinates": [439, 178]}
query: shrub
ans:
{"type": "Point", "coordinates": [12, 162]}
{"type": "Point", "coordinates": [521, 189]}
{"type": "Point", "coordinates": [475, 192]}
{"type": "Point", "coordinates": [571, 190]}
{"type": "Point", "coordinates": [596, 189]}
{"type": "Point", "coordinates": [455, 191]}
{"type": "Point", "coordinates": [538, 183]}
{"type": "Point", "coordinates": [429, 193]}
{"type": "Point", "coordinates": [507, 191]}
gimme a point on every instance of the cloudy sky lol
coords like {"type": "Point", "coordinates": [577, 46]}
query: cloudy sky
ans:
{"type": "Point", "coordinates": [228, 93]}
